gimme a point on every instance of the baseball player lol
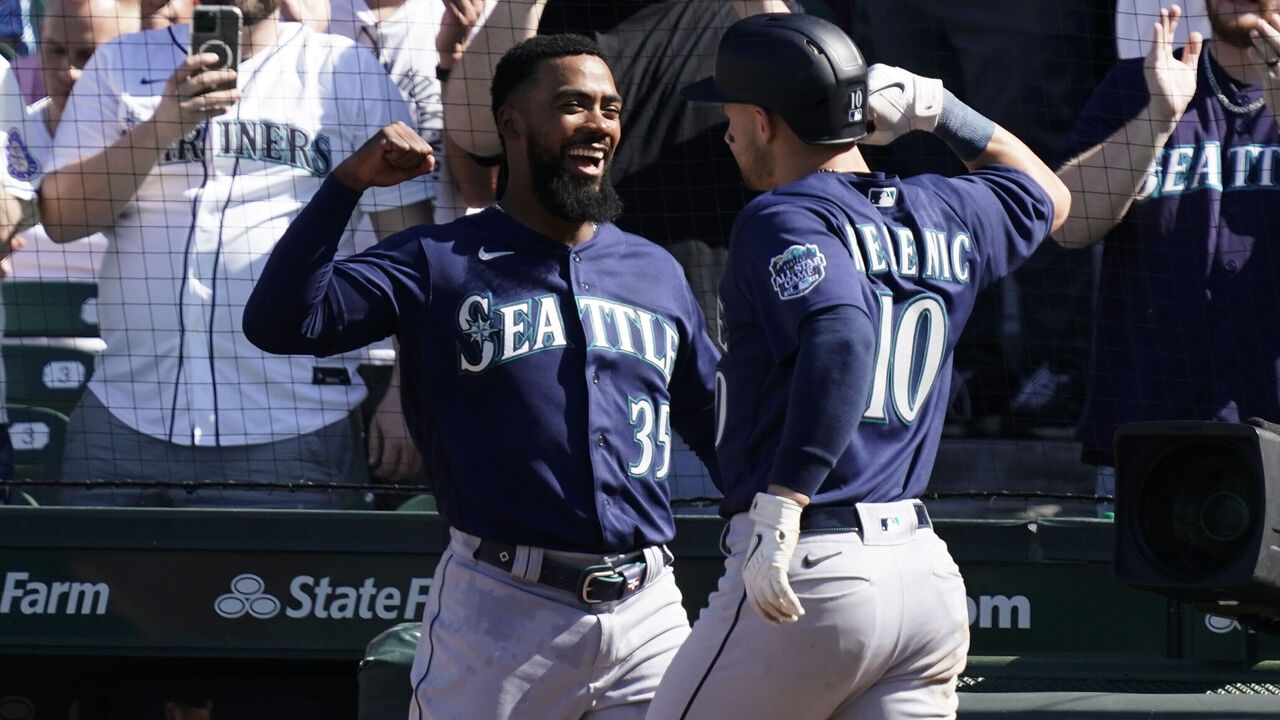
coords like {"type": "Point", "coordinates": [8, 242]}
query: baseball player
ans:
{"type": "Point", "coordinates": [1172, 166]}
{"type": "Point", "coordinates": [192, 187]}
{"type": "Point", "coordinates": [843, 297]}
{"type": "Point", "coordinates": [547, 357]}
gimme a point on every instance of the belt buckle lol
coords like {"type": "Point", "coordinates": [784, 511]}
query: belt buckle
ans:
{"type": "Point", "coordinates": [614, 583]}
{"type": "Point", "coordinates": [589, 577]}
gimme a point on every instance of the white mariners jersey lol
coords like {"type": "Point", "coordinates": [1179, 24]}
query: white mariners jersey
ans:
{"type": "Point", "coordinates": [11, 119]}
{"type": "Point", "coordinates": [30, 150]}
{"type": "Point", "coordinates": [185, 253]}
{"type": "Point", "coordinates": [404, 44]}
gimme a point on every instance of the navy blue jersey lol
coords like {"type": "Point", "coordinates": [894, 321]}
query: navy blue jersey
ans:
{"type": "Point", "coordinates": [912, 254]}
{"type": "Point", "coordinates": [540, 382]}
{"type": "Point", "coordinates": [1188, 318]}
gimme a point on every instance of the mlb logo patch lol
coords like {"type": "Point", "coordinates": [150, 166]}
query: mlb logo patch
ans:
{"type": "Point", "coordinates": [893, 522]}
{"type": "Point", "coordinates": [883, 197]}
{"type": "Point", "coordinates": [797, 270]}
{"type": "Point", "coordinates": [855, 105]}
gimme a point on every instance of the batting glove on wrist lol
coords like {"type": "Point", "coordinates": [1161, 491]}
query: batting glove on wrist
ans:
{"type": "Point", "coordinates": [899, 102]}
{"type": "Point", "coordinates": [777, 528]}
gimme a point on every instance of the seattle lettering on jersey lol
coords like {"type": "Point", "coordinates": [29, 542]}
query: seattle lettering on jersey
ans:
{"type": "Point", "coordinates": [938, 256]}
{"type": "Point", "coordinates": [496, 334]}
{"type": "Point", "coordinates": [1184, 169]}
{"type": "Point", "coordinates": [277, 143]}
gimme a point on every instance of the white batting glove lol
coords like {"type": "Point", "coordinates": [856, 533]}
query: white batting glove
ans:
{"type": "Point", "coordinates": [899, 102]}
{"type": "Point", "coordinates": [765, 575]}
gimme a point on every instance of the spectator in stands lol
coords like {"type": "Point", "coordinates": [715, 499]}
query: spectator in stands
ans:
{"type": "Point", "coordinates": [393, 30]}
{"type": "Point", "coordinates": [11, 212]}
{"type": "Point", "coordinates": [158, 14]}
{"type": "Point", "coordinates": [1029, 66]}
{"type": "Point", "coordinates": [1172, 170]}
{"type": "Point", "coordinates": [71, 30]}
{"type": "Point", "coordinates": [192, 186]}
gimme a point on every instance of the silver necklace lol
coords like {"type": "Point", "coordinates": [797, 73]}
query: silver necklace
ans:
{"type": "Point", "coordinates": [1222, 97]}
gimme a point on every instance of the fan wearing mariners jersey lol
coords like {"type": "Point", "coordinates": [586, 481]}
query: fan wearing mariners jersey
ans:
{"type": "Point", "coordinates": [192, 187]}
{"type": "Point", "coordinates": [1188, 323]}
{"type": "Point", "coordinates": [12, 190]}
{"type": "Point", "coordinates": [547, 358]}
{"type": "Point", "coordinates": [70, 32]}
{"type": "Point", "coordinates": [842, 301]}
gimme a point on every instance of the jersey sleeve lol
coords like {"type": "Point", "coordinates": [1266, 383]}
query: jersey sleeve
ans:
{"type": "Point", "coordinates": [1006, 213]}
{"type": "Point", "coordinates": [370, 101]}
{"type": "Point", "coordinates": [307, 303]}
{"type": "Point", "coordinates": [17, 169]}
{"type": "Point", "coordinates": [789, 262]}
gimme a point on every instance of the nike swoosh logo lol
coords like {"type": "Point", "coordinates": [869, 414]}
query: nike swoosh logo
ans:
{"type": "Point", "coordinates": [810, 561]}
{"type": "Point", "coordinates": [153, 81]}
{"type": "Point", "coordinates": [486, 255]}
{"type": "Point", "coordinates": [900, 87]}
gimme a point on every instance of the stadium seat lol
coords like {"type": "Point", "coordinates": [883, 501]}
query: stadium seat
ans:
{"type": "Point", "coordinates": [50, 308]}
{"type": "Point", "coordinates": [47, 374]}
{"type": "Point", "coordinates": [38, 436]}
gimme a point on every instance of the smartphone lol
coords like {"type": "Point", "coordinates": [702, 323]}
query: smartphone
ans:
{"type": "Point", "coordinates": [216, 29]}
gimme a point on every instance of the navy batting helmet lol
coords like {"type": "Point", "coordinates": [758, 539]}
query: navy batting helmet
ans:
{"type": "Point", "coordinates": [801, 67]}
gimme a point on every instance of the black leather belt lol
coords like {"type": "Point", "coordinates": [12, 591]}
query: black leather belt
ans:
{"type": "Point", "coordinates": [605, 578]}
{"type": "Point", "coordinates": [843, 518]}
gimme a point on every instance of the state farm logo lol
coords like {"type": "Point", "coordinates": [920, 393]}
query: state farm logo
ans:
{"type": "Point", "coordinates": [324, 599]}
{"type": "Point", "coordinates": [247, 596]}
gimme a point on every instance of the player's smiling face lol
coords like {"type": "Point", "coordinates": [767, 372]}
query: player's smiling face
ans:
{"type": "Point", "coordinates": [573, 125]}
{"type": "Point", "coordinates": [1233, 19]}
{"type": "Point", "coordinates": [575, 109]}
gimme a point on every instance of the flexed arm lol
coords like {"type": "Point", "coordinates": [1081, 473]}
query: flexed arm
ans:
{"type": "Point", "coordinates": [296, 308]}
{"type": "Point", "coordinates": [900, 102]}
{"type": "Point", "coordinates": [1105, 179]}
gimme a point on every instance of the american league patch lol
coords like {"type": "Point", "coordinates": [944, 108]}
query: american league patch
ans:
{"type": "Point", "coordinates": [797, 270]}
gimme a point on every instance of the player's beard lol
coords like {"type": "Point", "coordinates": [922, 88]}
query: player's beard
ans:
{"type": "Point", "coordinates": [577, 199]}
{"type": "Point", "coordinates": [756, 166]}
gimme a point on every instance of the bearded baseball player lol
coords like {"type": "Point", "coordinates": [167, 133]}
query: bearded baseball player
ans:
{"type": "Point", "coordinates": [547, 356]}
{"type": "Point", "coordinates": [192, 186]}
{"type": "Point", "coordinates": [841, 303]}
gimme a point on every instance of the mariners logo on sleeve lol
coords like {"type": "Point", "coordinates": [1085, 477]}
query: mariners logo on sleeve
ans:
{"type": "Point", "coordinates": [797, 270]}
{"type": "Point", "coordinates": [22, 165]}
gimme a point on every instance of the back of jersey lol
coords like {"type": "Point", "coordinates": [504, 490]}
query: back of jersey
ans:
{"type": "Point", "coordinates": [912, 255]}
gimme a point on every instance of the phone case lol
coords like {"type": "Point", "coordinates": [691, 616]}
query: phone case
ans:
{"type": "Point", "coordinates": [216, 29]}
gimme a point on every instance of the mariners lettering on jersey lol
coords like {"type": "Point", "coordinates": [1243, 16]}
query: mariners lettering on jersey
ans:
{"type": "Point", "coordinates": [1184, 169]}
{"type": "Point", "coordinates": [496, 334]}
{"type": "Point", "coordinates": [938, 256]}
{"type": "Point", "coordinates": [278, 143]}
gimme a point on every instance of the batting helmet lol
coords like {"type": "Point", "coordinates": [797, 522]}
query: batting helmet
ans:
{"type": "Point", "coordinates": [801, 67]}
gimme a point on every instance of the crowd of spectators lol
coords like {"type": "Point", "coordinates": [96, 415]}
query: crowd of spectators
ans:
{"type": "Point", "coordinates": [122, 170]}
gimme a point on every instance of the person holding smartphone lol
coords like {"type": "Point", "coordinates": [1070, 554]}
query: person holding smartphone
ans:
{"type": "Point", "coordinates": [193, 174]}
